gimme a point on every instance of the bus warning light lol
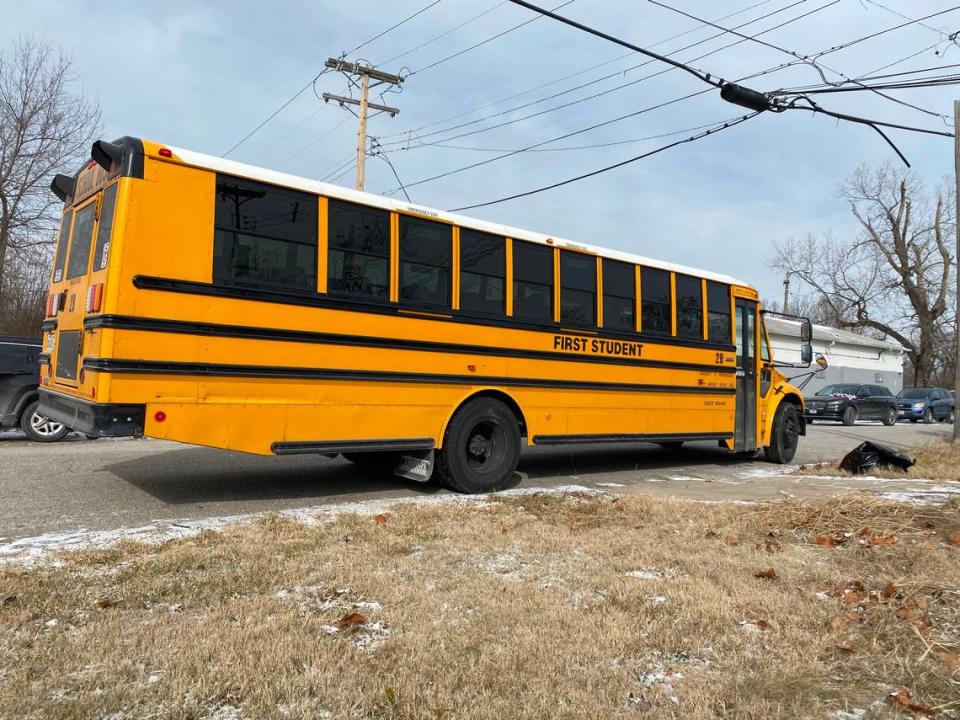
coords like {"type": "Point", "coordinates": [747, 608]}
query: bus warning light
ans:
{"type": "Point", "coordinates": [165, 152]}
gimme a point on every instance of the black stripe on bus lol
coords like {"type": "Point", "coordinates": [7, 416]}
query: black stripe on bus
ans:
{"type": "Point", "coordinates": [349, 446]}
{"type": "Point", "coordinates": [626, 437]}
{"type": "Point", "coordinates": [50, 324]}
{"type": "Point", "coordinates": [125, 322]}
{"type": "Point", "coordinates": [192, 287]}
{"type": "Point", "coordinates": [164, 367]}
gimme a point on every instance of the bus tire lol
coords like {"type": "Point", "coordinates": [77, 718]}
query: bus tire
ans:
{"type": "Point", "coordinates": [785, 434]}
{"type": "Point", "coordinates": [481, 448]}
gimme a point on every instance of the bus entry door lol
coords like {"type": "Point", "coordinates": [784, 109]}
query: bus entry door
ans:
{"type": "Point", "coordinates": [745, 433]}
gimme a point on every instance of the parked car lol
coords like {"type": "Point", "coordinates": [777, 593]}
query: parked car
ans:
{"type": "Point", "coordinates": [849, 402]}
{"type": "Point", "coordinates": [927, 404]}
{"type": "Point", "coordinates": [19, 376]}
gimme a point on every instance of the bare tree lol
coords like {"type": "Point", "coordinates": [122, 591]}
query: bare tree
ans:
{"type": "Point", "coordinates": [45, 127]}
{"type": "Point", "coordinates": [894, 278]}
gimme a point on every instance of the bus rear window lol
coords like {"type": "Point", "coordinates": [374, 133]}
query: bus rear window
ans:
{"type": "Point", "coordinates": [101, 250]}
{"type": "Point", "coordinates": [264, 236]}
{"type": "Point", "coordinates": [80, 242]}
{"type": "Point", "coordinates": [62, 242]}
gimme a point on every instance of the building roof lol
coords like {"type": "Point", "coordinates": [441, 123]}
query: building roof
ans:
{"type": "Point", "coordinates": [275, 177]}
{"type": "Point", "coordinates": [825, 333]}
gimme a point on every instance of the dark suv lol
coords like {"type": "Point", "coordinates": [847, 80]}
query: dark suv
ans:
{"type": "Point", "coordinates": [19, 375]}
{"type": "Point", "coordinates": [927, 404]}
{"type": "Point", "coordinates": [849, 402]}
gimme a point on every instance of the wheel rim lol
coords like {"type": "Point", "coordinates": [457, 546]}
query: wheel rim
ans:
{"type": "Point", "coordinates": [892, 416]}
{"type": "Point", "coordinates": [44, 426]}
{"type": "Point", "coordinates": [485, 446]}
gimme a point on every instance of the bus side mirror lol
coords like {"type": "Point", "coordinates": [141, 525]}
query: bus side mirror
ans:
{"type": "Point", "coordinates": [806, 353]}
{"type": "Point", "coordinates": [806, 331]}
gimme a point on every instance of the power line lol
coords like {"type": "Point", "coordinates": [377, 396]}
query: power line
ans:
{"type": "Point", "coordinates": [802, 58]}
{"type": "Point", "coordinates": [393, 27]}
{"type": "Point", "coordinates": [321, 73]}
{"type": "Point", "coordinates": [443, 34]}
{"type": "Point", "coordinates": [313, 142]}
{"type": "Point", "coordinates": [604, 92]}
{"type": "Point", "coordinates": [703, 77]}
{"type": "Point", "coordinates": [482, 42]}
{"type": "Point", "coordinates": [378, 151]}
{"type": "Point", "coordinates": [608, 168]}
{"type": "Point", "coordinates": [581, 72]}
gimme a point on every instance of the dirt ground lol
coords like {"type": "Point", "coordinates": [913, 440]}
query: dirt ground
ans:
{"type": "Point", "coordinates": [554, 605]}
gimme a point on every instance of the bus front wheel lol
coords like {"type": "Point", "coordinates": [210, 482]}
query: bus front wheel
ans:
{"type": "Point", "coordinates": [785, 435]}
{"type": "Point", "coordinates": [481, 448]}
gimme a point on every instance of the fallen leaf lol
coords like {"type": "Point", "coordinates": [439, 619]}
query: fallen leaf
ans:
{"type": "Point", "coordinates": [954, 538]}
{"type": "Point", "coordinates": [851, 597]}
{"type": "Point", "coordinates": [768, 574]}
{"type": "Point", "coordinates": [951, 659]}
{"type": "Point", "coordinates": [731, 539]}
{"type": "Point", "coordinates": [832, 540]}
{"type": "Point", "coordinates": [351, 620]}
{"type": "Point", "coordinates": [889, 590]}
{"type": "Point", "coordinates": [901, 698]}
{"type": "Point", "coordinates": [846, 647]}
{"type": "Point", "coordinates": [883, 540]}
{"type": "Point", "coordinates": [921, 603]}
{"type": "Point", "coordinates": [840, 622]}
{"type": "Point", "coordinates": [380, 519]}
{"type": "Point", "coordinates": [928, 545]}
{"type": "Point", "coordinates": [755, 625]}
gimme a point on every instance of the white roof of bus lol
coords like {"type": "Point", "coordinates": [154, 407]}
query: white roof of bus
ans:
{"type": "Point", "coordinates": [275, 177]}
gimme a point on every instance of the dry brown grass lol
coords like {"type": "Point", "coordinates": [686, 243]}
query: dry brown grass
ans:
{"type": "Point", "coordinates": [937, 461]}
{"type": "Point", "coordinates": [521, 607]}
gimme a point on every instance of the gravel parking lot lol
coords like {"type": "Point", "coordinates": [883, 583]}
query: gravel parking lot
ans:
{"type": "Point", "coordinates": [107, 484]}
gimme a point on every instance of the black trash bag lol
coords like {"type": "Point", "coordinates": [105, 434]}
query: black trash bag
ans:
{"type": "Point", "coordinates": [869, 456]}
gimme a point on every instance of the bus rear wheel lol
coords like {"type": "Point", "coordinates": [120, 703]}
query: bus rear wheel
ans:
{"type": "Point", "coordinates": [481, 448]}
{"type": "Point", "coordinates": [785, 435]}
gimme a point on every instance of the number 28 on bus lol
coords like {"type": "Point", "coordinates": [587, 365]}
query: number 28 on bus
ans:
{"type": "Point", "coordinates": [209, 302]}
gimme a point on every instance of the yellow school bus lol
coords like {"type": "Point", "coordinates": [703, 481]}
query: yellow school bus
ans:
{"type": "Point", "coordinates": [206, 301]}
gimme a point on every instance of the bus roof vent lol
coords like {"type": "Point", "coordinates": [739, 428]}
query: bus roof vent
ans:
{"type": "Point", "coordinates": [107, 155]}
{"type": "Point", "coordinates": [63, 186]}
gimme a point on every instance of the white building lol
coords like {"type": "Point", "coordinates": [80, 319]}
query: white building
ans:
{"type": "Point", "coordinates": [851, 358]}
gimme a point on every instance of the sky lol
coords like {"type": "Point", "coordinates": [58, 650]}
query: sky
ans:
{"type": "Point", "coordinates": [202, 75]}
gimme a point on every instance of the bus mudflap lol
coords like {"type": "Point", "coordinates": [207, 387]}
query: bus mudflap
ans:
{"type": "Point", "coordinates": [416, 466]}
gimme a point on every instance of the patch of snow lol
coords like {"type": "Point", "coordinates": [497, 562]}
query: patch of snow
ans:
{"type": "Point", "coordinates": [934, 495]}
{"type": "Point", "coordinates": [769, 472]}
{"type": "Point", "coordinates": [655, 599]}
{"type": "Point", "coordinates": [224, 712]}
{"type": "Point", "coordinates": [52, 623]}
{"type": "Point", "coordinates": [645, 574]}
{"type": "Point", "coordinates": [689, 478]}
{"type": "Point", "coordinates": [32, 550]}
{"type": "Point", "coordinates": [154, 677]}
{"type": "Point", "coordinates": [610, 484]}
{"type": "Point", "coordinates": [854, 714]}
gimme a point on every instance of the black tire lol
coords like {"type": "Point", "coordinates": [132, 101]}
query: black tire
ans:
{"type": "Point", "coordinates": [785, 435]}
{"type": "Point", "coordinates": [671, 444]}
{"type": "Point", "coordinates": [39, 428]}
{"type": "Point", "coordinates": [481, 448]}
{"type": "Point", "coordinates": [890, 416]}
{"type": "Point", "coordinates": [928, 416]}
{"type": "Point", "coordinates": [849, 415]}
{"type": "Point", "coordinates": [951, 417]}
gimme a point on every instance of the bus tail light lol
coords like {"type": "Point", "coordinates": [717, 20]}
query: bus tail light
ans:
{"type": "Point", "coordinates": [94, 297]}
{"type": "Point", "coordinates": [55, 302]}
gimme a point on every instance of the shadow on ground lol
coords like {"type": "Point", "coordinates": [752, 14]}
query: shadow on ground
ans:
{"type": "Point", "coordinates": [203, 475]}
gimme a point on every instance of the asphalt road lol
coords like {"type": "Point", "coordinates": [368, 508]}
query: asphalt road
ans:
{"type": "Point", "coordinates": [106, 484]}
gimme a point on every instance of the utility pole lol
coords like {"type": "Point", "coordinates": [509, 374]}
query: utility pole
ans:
{"type": "Point", "coordinates": [956, 170]}
{"type": "Point", "coordinates": [365, 74]}
{"type": "Point", "coordinates": [786, 292]}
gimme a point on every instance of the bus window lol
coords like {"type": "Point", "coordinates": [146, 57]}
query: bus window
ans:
{"type": "Point", "coordinates": [655, 290]}
{"type": "Point", "coordinates": [62, 242]}
{"type": "Point", "coordinates": [718, 312]}
{"type": "Point", "coordinates": [619, 291]}
{"type": "Point", "coordinates": [359, 250]}
{"type": "Point", "coordinates": [425, 253]}
{"type": "Point", "coordinates": [578, 288]}
{"type": "Point", "coordinates": [689, 307]}
{"type": "Point", "coordinates": [483, 271]}
{"type": "Point", "coordinates": [264, 236]}
{"type": "Point", "coordinates": [80, 243]}
{"type": "Point", "coordinates": [532, 282]}
{"type": "Point", "coordinates": [102, 249]}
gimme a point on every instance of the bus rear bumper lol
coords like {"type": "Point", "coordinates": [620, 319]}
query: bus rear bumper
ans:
{"type": "Point", "coordinates": [94, 419]}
